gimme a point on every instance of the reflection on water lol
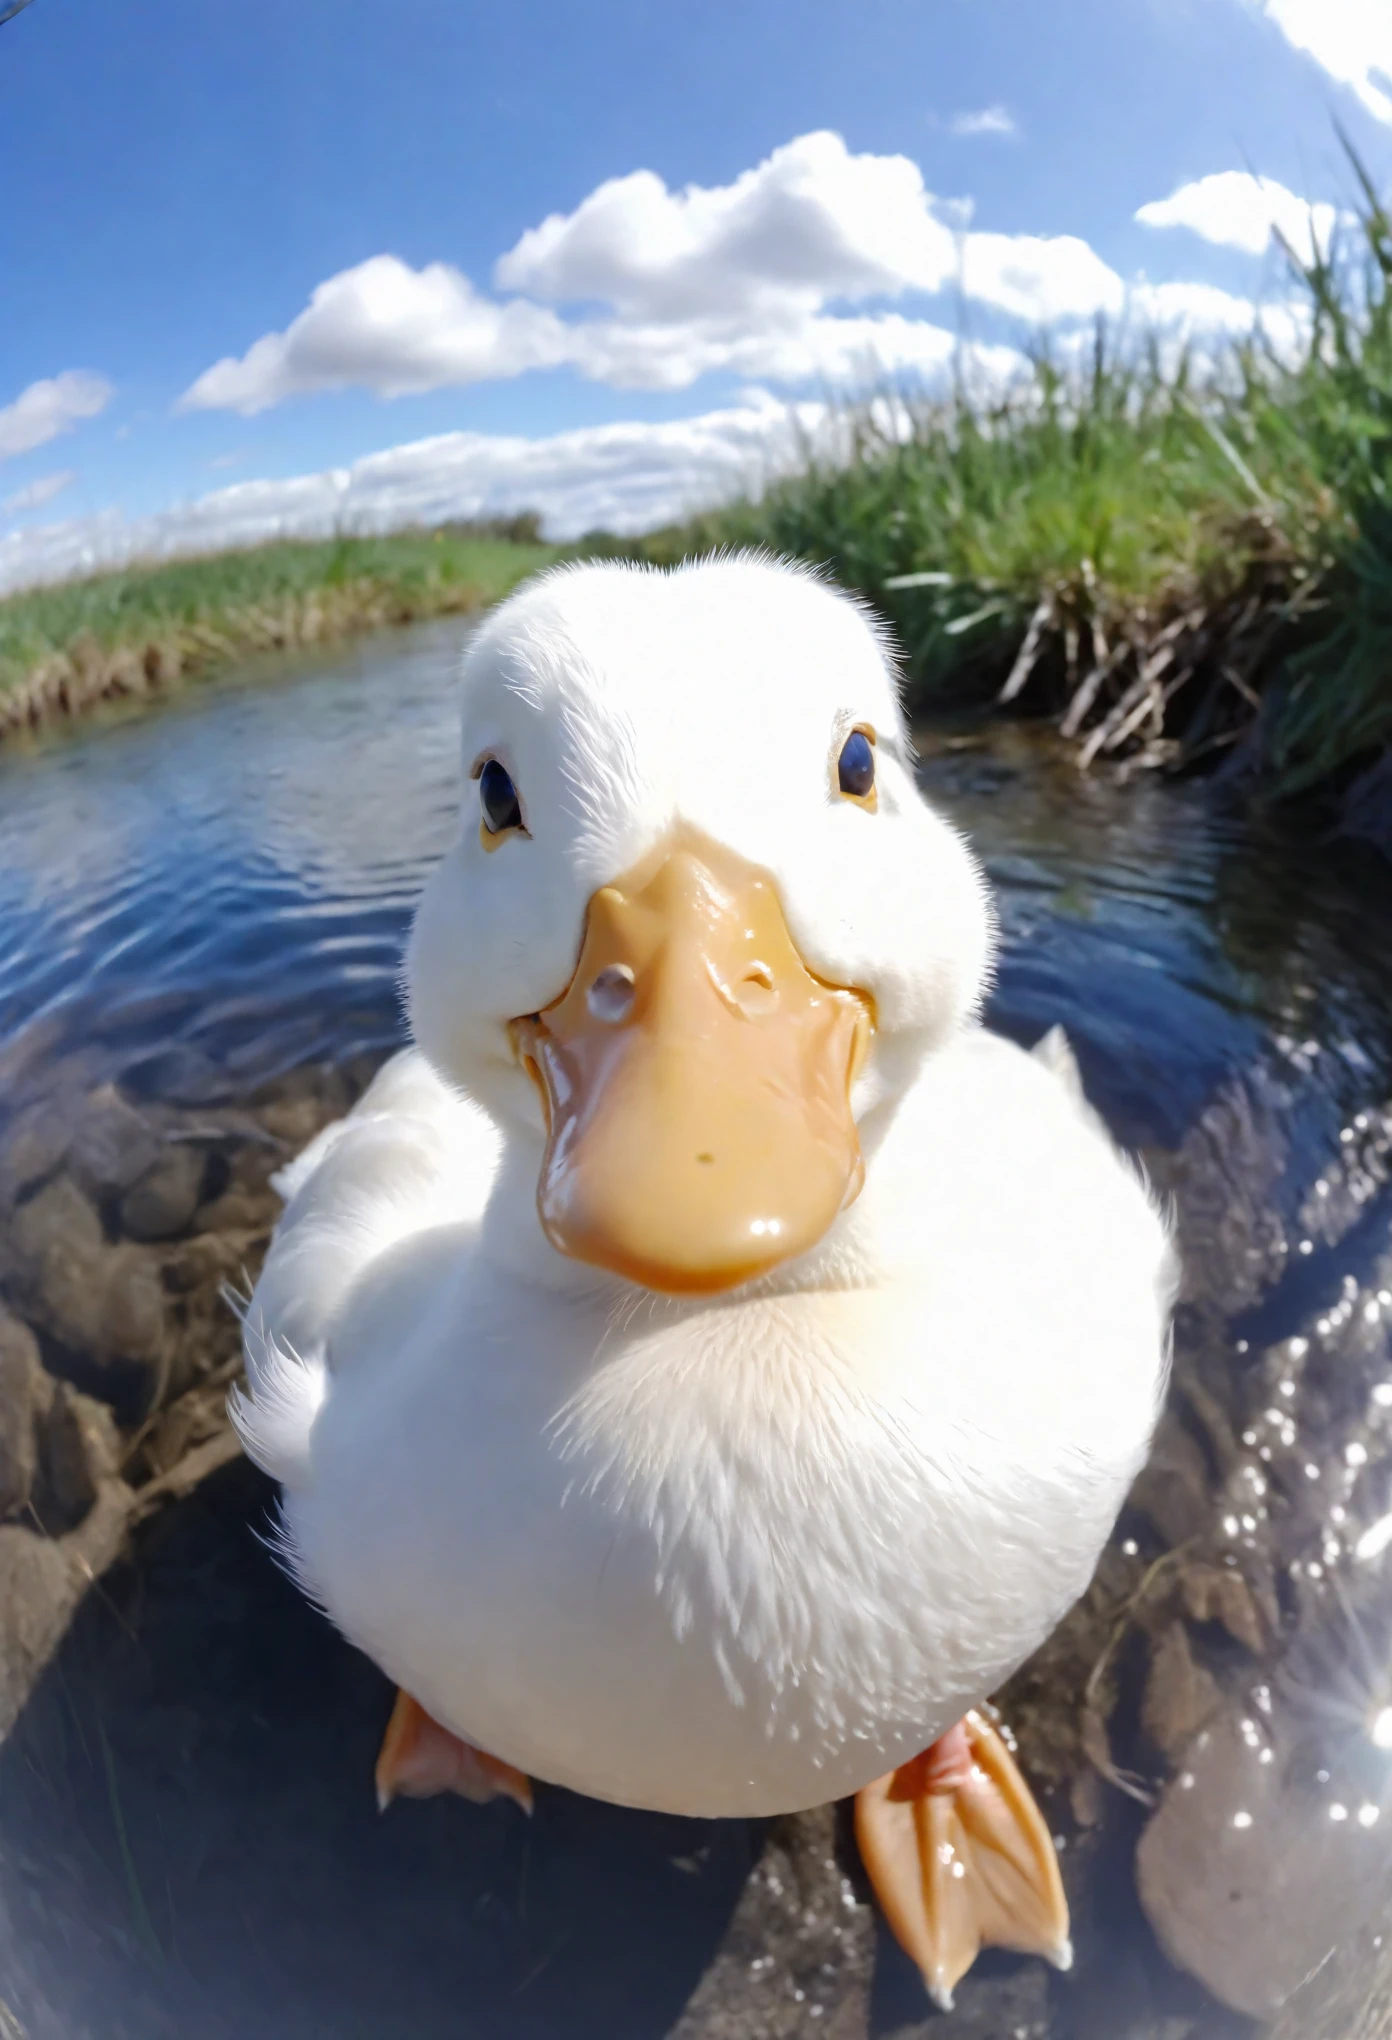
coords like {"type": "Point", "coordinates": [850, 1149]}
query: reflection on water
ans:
{"type": "Point", "coordinates": [233, 878]}
{"type": "Point", "coordinates": [196, 902]}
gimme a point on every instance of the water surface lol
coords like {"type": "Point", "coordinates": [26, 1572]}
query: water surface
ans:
{"type": "Point", "coordinates": [206, 896]}
{"type": "Point", "coordinates": [196, 901]}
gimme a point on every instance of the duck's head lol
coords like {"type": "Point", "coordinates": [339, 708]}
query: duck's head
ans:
{"type": "Point", "coordinates": [699, 930]}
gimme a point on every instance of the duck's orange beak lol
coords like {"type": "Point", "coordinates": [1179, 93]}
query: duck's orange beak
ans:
{"type": "Point", "coordinates": [696, 1080]}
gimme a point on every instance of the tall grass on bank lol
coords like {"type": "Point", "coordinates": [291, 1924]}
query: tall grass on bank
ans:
{"type": "Point", "coordinates": [1077, 544]}
{"type": "Point", "coordinates": [1176, 557]}
{"type": "Point", "coordinates": [142, 630]}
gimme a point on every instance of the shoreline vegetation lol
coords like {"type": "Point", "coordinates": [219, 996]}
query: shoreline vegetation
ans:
{"type": "Point", "coordinates": [140, 632]}
{"type": "Point", "coordinates": [1179, 560]}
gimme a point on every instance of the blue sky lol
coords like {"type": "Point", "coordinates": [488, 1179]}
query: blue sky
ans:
{"type": "Point", "coordinates": [182, 176]}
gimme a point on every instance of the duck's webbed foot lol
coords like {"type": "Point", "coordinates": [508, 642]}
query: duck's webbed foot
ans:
{"type": "Point", "coordinates": [419, 1758]}
{"type": "Point", "coordinates": [960, 1858]}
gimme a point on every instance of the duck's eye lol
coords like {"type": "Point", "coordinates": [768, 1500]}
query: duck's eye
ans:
{"type": "Point", "coordinates": [498, 799]}
{"type": "Point", "coordinates": [855, 772]}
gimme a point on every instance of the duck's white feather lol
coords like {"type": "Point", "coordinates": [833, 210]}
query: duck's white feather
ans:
{"type": "Point", "coordinates": [731, 1555]}
{"type": "Point", "coordinates": [411, 1150]}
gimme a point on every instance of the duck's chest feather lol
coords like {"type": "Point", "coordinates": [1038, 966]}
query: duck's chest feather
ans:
{"type": "Point", "coordinates": [724, 1559]}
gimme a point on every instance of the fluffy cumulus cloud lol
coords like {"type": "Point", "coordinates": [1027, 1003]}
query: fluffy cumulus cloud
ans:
{"type": "Point", "coordinates": [1350, 39]}
{"type": "Point", "coordinates": [626, 477]}
{"type": "Point", "coordinates": [47, 408]}
{"type": "Point", "coordinates": [810, 223]}
{"type": "Point", "coordinates": [395, 329]}
{"type": "Point", "coordinates": [781, 276]}
{"type": "Point", "coordinates": [1235, 209]}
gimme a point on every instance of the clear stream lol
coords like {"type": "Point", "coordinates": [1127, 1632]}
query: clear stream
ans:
{"type": "Point", "coordinates": [197, 900]}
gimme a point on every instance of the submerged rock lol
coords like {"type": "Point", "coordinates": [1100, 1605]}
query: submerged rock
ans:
{"type": "Point", "coordinates": [56, 1446]}
{"type": "Point", "coordinates": [113, 1146]}
{"type": "Point", "coordinates": [1254, 1869]}
{"type": "Point", "coordinates": [163, 1201]}
{"type": "Point", "coordinates": [1180, 1695]}
{"type": "Point", "coordinates": [1215, 1593]}
{"type": "Point", "coordinates": [42, 1580]}
{"type": "Point", "coordinates": [24, 1393]}
{"type": "Point", "coordinates": [34, 1145]}
{"type": "Point", "coordinates": [800, 1947]}
{"type": "Point", "coordinates": [123, 1226]}
{"type": "Point", "coordinates": [79, 1449]}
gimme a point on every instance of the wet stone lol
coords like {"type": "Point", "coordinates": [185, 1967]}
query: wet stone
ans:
{"type": "Point", "coordinates": [33, 1148]}
{"type": "Point", "coordinates": [1214, 1593]}
{"type": "Point", "coordinates": [1253, 1871]}
{"type": "Point", "coordinates": [58, 1216]}
{"type": "Point", "coordinates": [164, 1200]}
{"type": "Point", "coordinates": [42, 1580]}
{"type": "Point", "coordinates": [79, 1448]}
{"type": "Point", "coordinates": [798, 1954]}
{"type": "Point", "coordinates": [134, 1304]}
{"type": "Point", "coordinates": [99, 1310]}
{"type": "Point", "coordinates": [1180, 1695]}
{"type": "Point", "coordinates": [114, 1145]}
{"type": "Point", "coordinates": [24, 1394]}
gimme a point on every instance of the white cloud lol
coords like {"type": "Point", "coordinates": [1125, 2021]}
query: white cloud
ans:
{"type": "Point", "coordinates": [39, 492]}
{"type": "Point", "coordinates": [809, 224]}
{"type": "Point", "coordinates": [660, 288]}
{"type": "Point", "coordinates": [47, 408]}
{"type": "Point", "coordinates": [1039, 279]}
{"type": "Point", "coordinates": [1350, 39]}
{"type": "Point", "coordinates": [626, 477]}
{"type": "Point", "coordinates": [800, 349]}
{"type": "Point", "coordinates": [991, 120]}
{"type": "Point", "coordinates": [1234, 209]}
{"type": "Point", "coordinates": [395, 329]}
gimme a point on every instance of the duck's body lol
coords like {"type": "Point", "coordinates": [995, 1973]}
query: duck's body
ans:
{"type": "Point", "coordinates": [701, 1371]}
{"type": "Point", "coordinates": [722, 1556]}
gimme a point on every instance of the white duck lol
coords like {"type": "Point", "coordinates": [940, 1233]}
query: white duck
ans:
{"type": "Point", "coordinates": [709, 1363]}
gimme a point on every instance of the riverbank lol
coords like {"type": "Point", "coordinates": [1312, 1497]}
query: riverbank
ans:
{"type": "Point", "coordinates": [146, 629]}
{"type": "Point", "coordinates": [1181, 558]}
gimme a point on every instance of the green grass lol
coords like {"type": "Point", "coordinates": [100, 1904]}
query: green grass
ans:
{"type": "Point", "coordinates": [1173, 557]}
{"type": "Point", "coordinates": [139, 631]}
